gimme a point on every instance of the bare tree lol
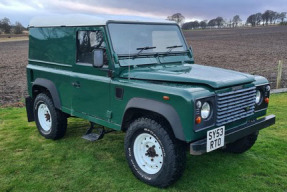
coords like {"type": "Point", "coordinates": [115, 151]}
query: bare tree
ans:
{"type": "Point", "coordinates": [177, 17]}
{"type": "Point", "coordinates": [272, 16]}
{"type": "Point", "coordinates": [212, 23]}
{"type": "Point", "coordinates": [219, 21]}
{"type": "Point", "coordinates": [191, 25]}
{"type": "Point", "coordinates": [258, 18]}
{"type": "Point", "coordinates": [282, 16]}
{"type": "Point", "coordinates": [5, 25]}
{"type": "Point", "coordinates": [268, 16]}
{"type": "Point", "coordinates": [186, 26]}
{"type": "Point", "coordinates": [18, 28]}
{"type": "Point", "coordinates": [252, 20]}
{"type": "Point", "coordinates": [203, 24]}
{"type": "Point", "coordinates": [231, 23]}
{"type": "Point", "coordinates": [265, 18]}
{"type": "Point", "coordinates": [276, 17]}
{"type": "Point", "coordinates": [236, 19]}
{"type": "Point", "coordinates": [196, 24]}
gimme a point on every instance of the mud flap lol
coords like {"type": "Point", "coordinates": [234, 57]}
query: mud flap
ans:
{"type": "Point", "coordinates": [29, 102]}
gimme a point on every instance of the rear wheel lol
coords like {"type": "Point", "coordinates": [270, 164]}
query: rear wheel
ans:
{"type": "Point", "coordinates": [242, 145]}
{"type": "Point", "coordinates": [51, 123]}
{"type": "Point", "coordinates": [154, 155]}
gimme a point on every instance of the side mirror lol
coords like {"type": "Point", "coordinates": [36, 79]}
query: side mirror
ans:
{"type": "Point", "coordinates": [98, 58]}
{"type": "Point", "coordinates": [190, 48]}
{"type": "Point", "coordinates": [191, 54]}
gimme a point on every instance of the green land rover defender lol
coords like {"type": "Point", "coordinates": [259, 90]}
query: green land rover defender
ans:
{"type": "Point", "coordinates": [140, 78]}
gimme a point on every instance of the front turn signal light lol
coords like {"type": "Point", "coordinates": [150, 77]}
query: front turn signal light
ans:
{"type": "Point", "coordinates": [165, 98]}
{"type": "Point", "coordinates": [266, 100]}
{"type": "Point", "coordinates": [198, 120]}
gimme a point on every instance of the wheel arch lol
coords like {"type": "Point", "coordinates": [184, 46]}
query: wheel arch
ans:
{"type": "Point", "coordinates": [45, 85]}
{"type": "Point", "coordinates": [138, 107]}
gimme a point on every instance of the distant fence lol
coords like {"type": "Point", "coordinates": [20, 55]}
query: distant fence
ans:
{"type": "Point", "coordinates": [276, 75]}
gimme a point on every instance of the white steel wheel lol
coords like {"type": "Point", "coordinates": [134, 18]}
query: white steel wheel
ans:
{"type": "Point", "coordinates": [51, 123]}
{"type": "Point", "coordinates": [153, 154]}
{"type": "Point", "coordinates": [148, 153]}
{"type": "Point", "coordinates": [44, 116]}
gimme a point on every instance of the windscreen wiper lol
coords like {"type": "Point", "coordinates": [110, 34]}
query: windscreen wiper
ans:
{"type": "Point", "coordinates": [172, 47]}
{"type": "Point", "coordinates": [141, 50]}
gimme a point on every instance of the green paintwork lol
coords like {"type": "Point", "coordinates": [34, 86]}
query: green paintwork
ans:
{"type": "Point", "coordinates": [52, 56]}
{"type": "Point", "coordinates": [212, 76]}
{"type": "Point", "coordinates": [92, 97]}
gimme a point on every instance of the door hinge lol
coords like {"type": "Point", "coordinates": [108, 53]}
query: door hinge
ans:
{"type": "Point", "coordinates": [110, 73]}
{"type": "Point", "coordinates": [109, 114]}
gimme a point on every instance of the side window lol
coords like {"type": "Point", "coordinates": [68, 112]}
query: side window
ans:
{"type": "Point", "coordinates": [87, 42]}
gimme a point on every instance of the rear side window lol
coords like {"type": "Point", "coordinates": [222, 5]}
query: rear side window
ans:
{"type": "Point", "coordinates": [87, 42]}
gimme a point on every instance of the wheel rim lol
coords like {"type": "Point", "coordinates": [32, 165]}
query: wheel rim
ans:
{"type": "Point", "coordinates": [148, 153]}
{"type": "Point", "coordinates": [44, 117]}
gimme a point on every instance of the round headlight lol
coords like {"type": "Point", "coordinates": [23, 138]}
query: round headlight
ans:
{"type": "Point", "coordinates": [205, 110]}
{"type": "Point", "coordinates": [258, 97]}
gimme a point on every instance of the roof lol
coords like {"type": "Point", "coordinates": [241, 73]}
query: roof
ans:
{"type": "Point", "coordinates": [83, 20]}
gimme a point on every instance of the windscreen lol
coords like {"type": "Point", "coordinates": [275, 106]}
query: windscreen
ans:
{"type": "Point", "coordinates": [127, 39]}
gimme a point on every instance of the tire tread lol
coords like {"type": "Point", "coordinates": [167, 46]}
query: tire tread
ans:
{"type": "Point", "coordinates": [60, 125]}
{"type": "Point", "coordinates": [174, 146]}
{"type": "Point", "coordinates": [242, 145]}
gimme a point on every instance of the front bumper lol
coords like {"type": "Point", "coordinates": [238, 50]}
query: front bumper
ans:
{"type": "Point", "coordinates": [231, 135]}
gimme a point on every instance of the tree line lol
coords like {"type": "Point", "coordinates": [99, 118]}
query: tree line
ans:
{"type": "Point", "coordinates": [268, 17]}
{"type": "Point", "coordinates": [8, 28]}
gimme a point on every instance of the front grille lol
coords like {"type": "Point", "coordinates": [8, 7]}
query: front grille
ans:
{"type": "Point", "coordinates": [235, 105]}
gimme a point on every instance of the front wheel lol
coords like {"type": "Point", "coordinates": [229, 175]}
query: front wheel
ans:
{"type": "Point", "coordinates": [154, 155]}
{"type": "Point", "coordinates": [242, 145]}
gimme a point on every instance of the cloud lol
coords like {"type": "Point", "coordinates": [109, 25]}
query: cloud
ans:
{"type": "Point", "coordinates": [23, 10]}
{"type": "Point", "coordinates": [96, 9]}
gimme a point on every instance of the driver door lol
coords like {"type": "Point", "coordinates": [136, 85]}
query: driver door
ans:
{"type": "Point", "coordinates": [90, 85]}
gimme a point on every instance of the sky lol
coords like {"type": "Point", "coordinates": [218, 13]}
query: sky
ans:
{"type": "Point", "coordinates": [24, 10]}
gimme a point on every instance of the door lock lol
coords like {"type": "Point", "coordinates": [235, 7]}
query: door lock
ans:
{"type": "Point", "coordinates": [76, 84]}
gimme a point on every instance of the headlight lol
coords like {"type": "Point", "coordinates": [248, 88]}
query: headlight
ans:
{"type": "Point", "coordinates": [205, 110]}
{"type": "Point", "coordinates": [262, 97]}
{"type": "Point", "coordinates": [258, 97]}
{"type": "Point", "coordinates": [204, 114]}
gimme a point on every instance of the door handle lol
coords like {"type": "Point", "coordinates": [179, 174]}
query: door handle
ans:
{"type": "Point", "coordinates": [76, 84]}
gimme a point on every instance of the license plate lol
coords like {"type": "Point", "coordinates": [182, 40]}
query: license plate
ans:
{"type": "Point", "coordinates": [215, 138]}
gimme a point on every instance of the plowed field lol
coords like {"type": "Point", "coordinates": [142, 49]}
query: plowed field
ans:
{"type": "Point", "coordinates": [251, 50]}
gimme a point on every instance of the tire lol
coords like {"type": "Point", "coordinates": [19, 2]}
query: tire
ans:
{"type": "Point", "coordinates": [51, 123]}
{"type": "Point", "coordinates": [242, 145]}
{"type": "Point", "coordinates": [153, 154]}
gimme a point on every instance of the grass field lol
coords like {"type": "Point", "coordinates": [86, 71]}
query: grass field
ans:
{"type": "Point", "coordinates": [28, 162]}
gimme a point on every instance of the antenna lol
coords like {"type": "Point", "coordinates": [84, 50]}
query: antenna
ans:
{"type": "Point", "coordinates": [129, 61]}
{"type": "Point", "coordinates": [129, 72]}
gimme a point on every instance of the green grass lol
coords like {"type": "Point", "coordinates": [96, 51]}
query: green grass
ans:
{"type": "Point", "coordinates": [28, 162]}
